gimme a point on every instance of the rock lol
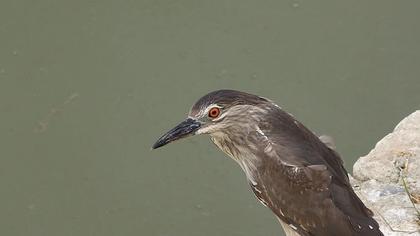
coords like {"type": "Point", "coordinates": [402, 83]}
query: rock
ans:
{"type": "Point", "coordinates": [381, 176]}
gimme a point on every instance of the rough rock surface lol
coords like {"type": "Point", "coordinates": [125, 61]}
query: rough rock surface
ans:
{"type": "Point", "coordinates": [381, 178]}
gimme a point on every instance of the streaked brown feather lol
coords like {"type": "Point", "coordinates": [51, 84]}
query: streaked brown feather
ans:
{"type": "Point", "coordinates": [313, 192]}
{"type": "Point", "coordinates": [293, 172]}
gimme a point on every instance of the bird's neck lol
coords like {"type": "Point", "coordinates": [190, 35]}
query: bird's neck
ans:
{"type": "Point", "coordinates": [242, 150]}
{"type": "Point", "coordinates": [245, 140]}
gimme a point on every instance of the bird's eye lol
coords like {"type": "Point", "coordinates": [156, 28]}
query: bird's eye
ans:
{"type": "Point", "coordinates": [214, 112]}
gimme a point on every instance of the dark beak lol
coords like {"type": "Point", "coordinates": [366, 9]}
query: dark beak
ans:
{"type": "Point", "coordinates": [184, 129]}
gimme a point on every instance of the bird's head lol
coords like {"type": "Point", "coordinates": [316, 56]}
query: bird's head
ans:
{"type": "Point", "coordinates": [218, 113]}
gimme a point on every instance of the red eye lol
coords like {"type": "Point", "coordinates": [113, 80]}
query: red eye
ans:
{"type": "Point", "coordinates": [214, 112]}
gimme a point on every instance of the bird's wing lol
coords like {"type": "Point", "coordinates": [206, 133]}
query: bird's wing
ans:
{"type": "Point", "coordinates": [305, 185]}
{"type": "Point", "coordinates": [327, 140]}
{"type": "Point", "coordinates": [309, 200]}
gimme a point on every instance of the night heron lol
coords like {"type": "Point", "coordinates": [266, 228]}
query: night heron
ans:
{"type": "Point", "coordinates": [289, 169]}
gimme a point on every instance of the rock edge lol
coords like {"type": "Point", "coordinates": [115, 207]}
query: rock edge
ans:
{"type": "Point", "coordinates": [380, 178]}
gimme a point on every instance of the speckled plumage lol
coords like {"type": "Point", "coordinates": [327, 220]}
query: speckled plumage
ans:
{"type": "Point", "coordinates": [290, 170]}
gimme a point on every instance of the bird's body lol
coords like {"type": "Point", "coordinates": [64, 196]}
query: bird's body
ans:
{"type": "Point", "coordinates": [289, 169]}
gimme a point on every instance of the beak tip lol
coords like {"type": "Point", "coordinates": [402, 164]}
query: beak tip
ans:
{"type": "Point", "coordinates": [157, 145]}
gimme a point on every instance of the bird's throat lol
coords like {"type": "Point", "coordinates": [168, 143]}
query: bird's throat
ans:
{"type": "Point", "coordinates": [243, 155]}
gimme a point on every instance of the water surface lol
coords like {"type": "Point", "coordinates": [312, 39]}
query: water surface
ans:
{"type": "Point", "coordinates": [87, 86]}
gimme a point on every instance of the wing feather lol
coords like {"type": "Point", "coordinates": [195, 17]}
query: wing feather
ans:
{"type": "Point", "coordinates": [306, 185]}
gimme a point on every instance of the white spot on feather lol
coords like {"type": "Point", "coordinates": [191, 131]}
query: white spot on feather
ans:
{"type": "Point", "coordinates": [261, 133]}
{"type": "Point", "coordinates": [269, 147]}
{"type": "Point", "coordinates": [292, 226]}
{"type": "Point", "coordinates": [263, 202]}
{"type": "Point", "coordinates": [281, 212]}
{"type": "Point", "coordinates": [256, 189]}
{"type": "Point", "coordinates": [370, 227]}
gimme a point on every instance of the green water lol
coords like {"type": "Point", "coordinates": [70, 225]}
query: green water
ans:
{"type": "Point", "coordinates": [86, 87]}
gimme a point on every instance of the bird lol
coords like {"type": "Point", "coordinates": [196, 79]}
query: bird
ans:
{"type": "Point", "coordinates": [301, 179]}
